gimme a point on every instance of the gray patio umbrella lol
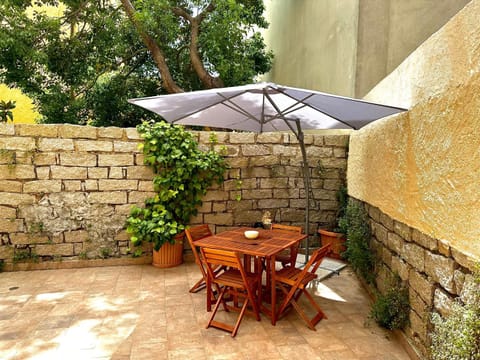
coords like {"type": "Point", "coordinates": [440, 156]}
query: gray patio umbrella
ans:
{"type": "Point", "coordinates": [266, 107]}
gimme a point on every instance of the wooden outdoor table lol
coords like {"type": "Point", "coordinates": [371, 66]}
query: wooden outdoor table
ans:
{"type": "Point", "coordinates": [267, 245]}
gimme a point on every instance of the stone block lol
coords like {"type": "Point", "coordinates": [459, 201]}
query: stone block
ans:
{"type": "Point", "coordinates": [418, 326]}
{"type": "Point", "coordinates": [285, 150]}
{"type": "Point", "coordinates": [54, 249]}
{"type": "Point", "coordinates": [22, 238]}
{"type": "Point", "coordinates": [329, 184]}
{"type": "Point", "coordinates": [55, 144]}
{"type": "Point", "coordinates": [400, 267]}
{"type": "Point", "coordinates": [442, 302]}
{"type": "Point", "coordinates": [112, 185]}
{"type": "Point", "coordinates": [272, 203]}
{"type": "Point", "coordinates": [16, 199]}
{"type": "Point", "coordinates": [77, 131]}
{"type": "Point", "coordinates": [117, 172]}
{"type": "Point", "coordinates": [133, 134]}
{"type": "Point", "coordinates": [256, 150]}
{"type": "Point", "coordinates": [108, 197]}
{"type": "Point", "coordinates": [42, 172]}
{"type": "Point", "coordinates": [11, 225]}
{"type": "Point", "coordinates": [336, 140]}
{"type": "Point", "coordinates": [374, 213]}
{"type": "Point", "coordinates": [6, 251]}
{"type": "Point", "coordinates": [380, 232]}
{"type": "Point", "coordinates": [441, 269]}
{"type": "Point", "coordinates": [418, 305]}
{"type": "Point", "coordinates": [464, 259]}
{"type": "Point", "coordinates": [94, 145]}
{"type": "Point", "coordinates": [336, 163]}
{"type": "Point", "coordinates": [386, 221]}
{"type": "Point", "coordinates": [126, 146]}
{"type": "Point", "coordinates": [287, 194]}
{"type": "Point", "coordinates": [42, 186]}
{"type": "Point", "coordinates": [219, 218]}
{"type": "Point", "coordinates": [424, 240]}
{"type": "Point", "coordinates": [216, 195]}
{"type": "Point", "coordinates": [135, 197]}
{"type": "Point", "coordinates": [256, 172]}
{"type": "Point", "coordinates": [470, 290]}
{"type": "Point", "coordinates": [403, 230]}
{"type": "Point", "coordinates": [422, 286]}
{"type": "Point", "coordinates": [243, 205]}
{"type": "Point", "coordinates": [274, 183]}
{"type": "Point", "coordinates": [218, 207]}
{"type": "Point", "coordinates": [16, 172]}
{"type": "Point", "coordinates": [76, 236]}
{"type": "Point", "coordinates": [395, 243]}
{"type": "Point", "coordinates": [110, 132]}
{"type": "Point", "coordinates": [68, 172]}
{"type": "Point", "coordinates": [18, 143]}
{"type": "Point", "coordinates": [37, 130]}
{"type": "Point", "coordinates": [7, 129]}
{"type": "Point", "coordinates": [270, 137]}
{"type": "Point", "coordinates": [45, 158]}
{"type": "Point", "coordinates": [248, 217]}
{"type": "Point", "coordinates": [318, 152]}
{"type": "Point", "coordinates": [145, 186]}
{"type": "Point", "coordinates": [340, 152]}
{"type": "Point", "coordinates": [256, 194]}
{"type": "Point", "coordinates": [414, 255]}
{"type": "Point", "coordinates": [72, 185]}
{"type": "Point", "coordinates": [115, 159]}
{"type": "Point", "coordinates": [141, 172]}
{"type": "Point", "coordinates": [78, 159]}
{"type": "Point", "coordinates": [10, 186]}
{"type": "Point", "coordinates": [444, 248]}
{"type": "Point", "coordinates": [98, 173]}
{"type": "Point", "coordinates": [123, 209]}
{"type": "Point", "coordinates": [90, 185]}
{"type": "Point", "coordinates": [7, 212]}
{"type": "Point", "coordinates": [228, 150]}
{"type": "Point", "coordinates": [242, 138]}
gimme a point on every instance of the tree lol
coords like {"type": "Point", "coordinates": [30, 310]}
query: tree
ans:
{"type": "Point", "coordinates": [83, 65]}
{"type": "Point", "coordinates": [6, 108]}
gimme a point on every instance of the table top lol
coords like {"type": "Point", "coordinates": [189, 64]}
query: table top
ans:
{"type": "Point", "coordinates": [267, 244]}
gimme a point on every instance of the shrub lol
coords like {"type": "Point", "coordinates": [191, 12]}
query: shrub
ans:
{"type": "Point", "coordinates": [357, 229]}
{"type": "Point", "coordinates": [391, 310]}
{"type": "Point", "coordinates": [457, 336]}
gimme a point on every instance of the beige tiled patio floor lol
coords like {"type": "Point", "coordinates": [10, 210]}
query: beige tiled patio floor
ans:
{"type": "Point", "coordinates": [141, 312]}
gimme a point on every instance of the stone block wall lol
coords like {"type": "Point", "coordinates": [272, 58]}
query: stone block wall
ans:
{"type": "Point", "coordinates": [436, 273]}
{"type": "Point", "coordinates": [66, 190]}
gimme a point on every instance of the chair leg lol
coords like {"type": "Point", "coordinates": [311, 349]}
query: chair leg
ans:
{"type": "Point", "coordinates": [240, 317]}
{"type": "Point", "coordinates": [199, 285]}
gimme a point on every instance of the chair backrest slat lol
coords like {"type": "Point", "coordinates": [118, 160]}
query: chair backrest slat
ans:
{"type": "Point", "coordinates": [286, 227]}
{"type": "Point", "coordinates": [196, 233]}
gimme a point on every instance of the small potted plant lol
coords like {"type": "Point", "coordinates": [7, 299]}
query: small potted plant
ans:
{"type": "Point", "coordinates": [336, 237]}
{"type": "Point", "coordinates": [182, 175]}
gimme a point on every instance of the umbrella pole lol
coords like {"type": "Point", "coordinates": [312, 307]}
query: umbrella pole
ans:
{"type": "Point", "coordinates": [306, 181]}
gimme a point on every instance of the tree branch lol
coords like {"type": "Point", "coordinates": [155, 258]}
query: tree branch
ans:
{"type": "Point", "coordinates": [167, 80]}
{"type": "Point", "coordinates": [205, 77]}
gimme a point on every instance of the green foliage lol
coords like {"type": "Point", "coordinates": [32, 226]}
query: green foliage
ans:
{"type": "Point", "coordinates": [357, 229]}
{"type": "Point", "coordinates": [183, 173]}
{"type": "Point", "coordinates": [457, 336]}
{"type": "Point", "coordinates": [2, 265]}
{"type": "Point", "coordinates": [391, 310]}
{"type": "Point", "coordinates": [82, 66]}
{"type": "Point", "coordinates": [105, 252]}
{"type": "Point", "coordinates": [6, 108]}
{"type": "Point", "coordinates": [342, 198]}
{"type": "Point", "coordinates": [22, 255]}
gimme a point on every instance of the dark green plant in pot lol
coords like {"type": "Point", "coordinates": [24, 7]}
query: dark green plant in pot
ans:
{"type": "Point", "coordinates": [357, 229]}
{"type": "Point", "coordinates": [183, 174]}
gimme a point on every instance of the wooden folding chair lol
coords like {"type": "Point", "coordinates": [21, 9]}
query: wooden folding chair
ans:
{"type": "Point", "coordinates": [193, 234]}
{"type": "Point", "coordinates": [288, 258]}
{"type": "Point", "coordinates": [235, 283]}
{"type": "Point", "coordinates": [293, 283]}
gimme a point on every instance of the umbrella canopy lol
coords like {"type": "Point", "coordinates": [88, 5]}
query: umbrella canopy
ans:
{"type": "Point", "coordinates": [266, 107]}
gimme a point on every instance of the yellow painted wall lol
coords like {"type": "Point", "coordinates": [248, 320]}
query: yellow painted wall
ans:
{"type": "Point", "coordinates": [423, 167]}
{"type": "Point", "coordinates": [24, 111]}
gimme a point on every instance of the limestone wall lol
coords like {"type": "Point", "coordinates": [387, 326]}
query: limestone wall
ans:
{"type": "Point", "coordinates": [65, 190]}
{"type": "Point", "coordinates": [435, 272]}
{"type": "Point", "coordinates": [422, 167]}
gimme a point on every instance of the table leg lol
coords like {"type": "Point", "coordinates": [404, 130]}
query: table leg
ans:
{"type": "Point", "coordinates": [273, 295]}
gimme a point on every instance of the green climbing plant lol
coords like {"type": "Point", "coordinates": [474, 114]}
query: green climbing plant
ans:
{"type": "Point", "coordinates": [182, 175]}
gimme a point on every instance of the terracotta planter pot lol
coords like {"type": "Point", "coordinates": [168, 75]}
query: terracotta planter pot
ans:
{"type": "Point", "coordinates": [337, 241]}
{"type": "Point", "coordinates": [169, 255]}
